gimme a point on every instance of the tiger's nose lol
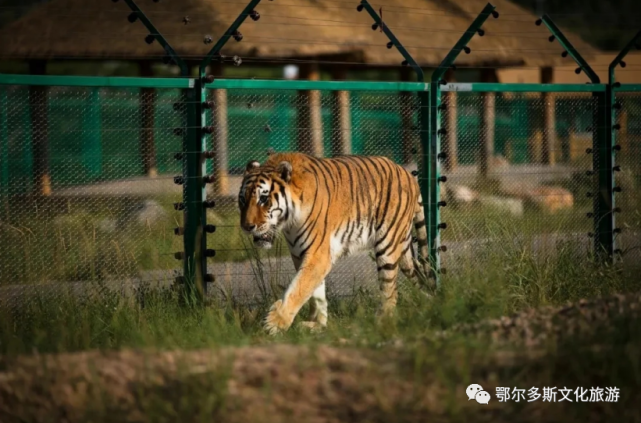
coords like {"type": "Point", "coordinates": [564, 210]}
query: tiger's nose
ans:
{"type": "Point", "coordinates": [248, 227]}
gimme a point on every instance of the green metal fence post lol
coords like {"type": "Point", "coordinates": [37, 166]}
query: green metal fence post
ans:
{"type": "Point", "coordinates": [601, 147]}
{"type": "Point", "coordinates": [607, 181]}
{"type": "Point", "coordinates": [435, 132]}
{"type": "Point", "coordinates": [195, 167]}
{"type": "Point", "coordinates": [4, 147]}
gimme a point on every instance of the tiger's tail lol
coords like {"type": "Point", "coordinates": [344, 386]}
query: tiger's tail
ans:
{"type": "Point", "coordinates": [422, 264]}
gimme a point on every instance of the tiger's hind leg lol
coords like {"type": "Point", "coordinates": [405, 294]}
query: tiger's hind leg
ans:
{"type": "Point", "coordinates": [388, 260]}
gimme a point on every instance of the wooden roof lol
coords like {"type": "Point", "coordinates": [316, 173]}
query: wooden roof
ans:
{"type": "Point", "coordinates": [99, 29]}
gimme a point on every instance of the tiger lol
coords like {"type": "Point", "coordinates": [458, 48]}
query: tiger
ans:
{"type": "Point", "coordinates": [329, 208]}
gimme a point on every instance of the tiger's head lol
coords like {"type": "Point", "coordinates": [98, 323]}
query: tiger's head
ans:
{"type": "Point", "coordinates": [264, 200]}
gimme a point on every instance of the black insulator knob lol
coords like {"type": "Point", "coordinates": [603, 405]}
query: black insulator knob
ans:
{"type": "Point", "coordinates": [180, 255]}
{"type": "Point", "coordinates": [441, 203]}
{"type": "Point", "coordinates": [179, 131]}
{"type": "Point", "coordinates": [390, 44]}
{"type": "Point", "coordinates": [254, 15]}
{"type": "Point", "coordinates": [209, 204]}
{"type": "Point", "coordinates": [374, 26]}
{"type": "Point", "coordinates": [588, 151]}
{"type": "Point", "coordinates": [442, 225]}
{"type": "Point", "coordinates": [442, 248]}
{"type": "Point", "coordinates": [207, 39]}
{"type": "Point", "coordinates": [467, 50]}
{"type": "Point", "coordinates": [210, 253]}
{"type": "Point", "coordinates": [179, 156]}
{"type": "Point", "coordinates": [442, 178]}
{"type": "Point", "coordinates": [404, 63]}
{"type": "Point", "coordinates": [210, 229]}
{"type": "Point", "coordinates": [441, 106]}
{"type": "Point", "coordinates": [577, 71]}
{"type": "Point", "coordinates": [133, 17]}
{"type": "Point", "coordinates": [616, 126]}
{"type": "Point", "coordinates": [564, 54]}
{"type": "Point", "coordinates": [453, 67]}
{"type": "Point", "coordinates": [208, 179]}
{"type": "Point", "coordinates": [179, 180]}
{"type": "Point", "coordinates": [208, 104]}
{"type": "Point", "coordinates": [617, 230]}
{"type": "Point", "coordinates": [617, 147]}
{"type": "Point", "coordinates": [617, 106]}
{"type": "Point", "coordinates": [551, 38]}
{"type": "Point", "coordinates": [441, 156]}
{"type": "Point", "coordinates": [208, 129]}
{"type": "Point", "coordinates": [617, 189]}
{"type": "Point", "coordinates": [589, 173]}
{"type": "Point", "coordinates": [616, 210]}
{"type": "Point", "coordinates": [359, 8]}
{"type": "Point", "coordinates": [179, 231]}
{"type": "Point", "coordinates": [442, 131]}
{"type": "Point", "coordinates": [590, 234]}
{"type": "Point", "coordinates": [149, 39]}
{"type": "Point", "coordinates": [209, 278]}
{"type": "Point", "coordinates": [177, 106]}
{"type": "Point", "coordinates": [209, 154]}
{"type": "Point", "coordinates": [617, 85]}
{"type": "Point", "coordinates": [238, 36]}
{"type": "Point", "coordinates": [167, 60]}
{"type": "Point", "coordinates": [589, 215]}
{"type": "Point", "coordinates": [481, 32]}
{"type": "Point", "coordinates": [442, 82]}
{"type": "Point", "coordinates": [495, 14]}
{"type": "Point", "coordinates": [208, 79]}
{"type": "Point", "coordinates": [179, 206]}
{"type": "Point", "coordinates": [616, 168]}
{"type": "Point", "coordinates": [538, 22]}
{"type": "Point", "coordinates": [623, 64]}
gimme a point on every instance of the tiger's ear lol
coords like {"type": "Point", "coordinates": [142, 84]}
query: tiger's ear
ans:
{"type": "Point", "coordinates": [284, 170]}
{"type": "Point", "coordinates": [252, 164]}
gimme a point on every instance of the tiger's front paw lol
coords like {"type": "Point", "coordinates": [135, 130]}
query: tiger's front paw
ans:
{"type": "Point", "coordinates": [276, 321]}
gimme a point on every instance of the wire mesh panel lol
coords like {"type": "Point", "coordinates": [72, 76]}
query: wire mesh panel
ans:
{"type": "Point", "coordinates": [517, 171]}
{"type": "Point", "coordinates": [248, 123]}
{"type": "Point", "coordinates": [628, 176]}
{"type": "Point", "coordinates": [86, 188]}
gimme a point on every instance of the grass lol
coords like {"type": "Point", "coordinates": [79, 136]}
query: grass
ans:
{"type": "Point", "coordinates": [402, 369]}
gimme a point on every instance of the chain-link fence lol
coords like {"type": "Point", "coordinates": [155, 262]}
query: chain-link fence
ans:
{"type": "Point", "coordinates": [517, 171]}
{"type": "Point", "coordinates": [628, 174]}
{"type": "Point", "coordinates": [89, 198]}
{"type": "Point", "coordinates": [87, 188]}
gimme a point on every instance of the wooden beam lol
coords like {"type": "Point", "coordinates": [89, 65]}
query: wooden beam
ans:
{"type": "Point", "coordinates": [549, 147]}
{"type": "Point", "coordinates": [310, 126]}
{"type": "Point", "coordinates": [341, 116]}
{"type": "Point", "coordinates": [147, 113]}
{"type": "Point", "coordinates": [38, 99]}
{"type": "Point", "coordinates": [220, 137]}
{"type": "Point", "coordinates": [406, 111]}
{"type": "Point", "coordinates": [450, 116]}
{"type": "Point", "coordinates": [486, 150]}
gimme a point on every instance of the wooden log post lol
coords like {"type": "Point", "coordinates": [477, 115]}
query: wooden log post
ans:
{"type": "Point", "coordinates": [38, 107]}
{"type": "Point", "coordinates": [449, 145]}
{"type": "Point", "coordinates": [220, 137]}
{"type": "Point", "coordinates": [309, 122]}
{"type": "Point", "coordinates": [341, 116]}
{"type": "Point", "coordinates": [549, 146]}
{"type": "Point", "coordinates": [147, 123]}
{"type": "Point", "coordinates": [486, 150]}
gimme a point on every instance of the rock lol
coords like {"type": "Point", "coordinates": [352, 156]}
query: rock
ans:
{"type": "Point", "coordinates": [550, 199]}
{"type": "Point", "coordinates": [514, 206]}
{"type": "Point", "coordinates": [458, 194]}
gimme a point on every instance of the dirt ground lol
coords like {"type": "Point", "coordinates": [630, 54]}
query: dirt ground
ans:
{"type": "Point", "coordinates": [289, 383]}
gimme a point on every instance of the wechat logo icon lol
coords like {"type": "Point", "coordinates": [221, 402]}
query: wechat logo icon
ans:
{"type": "Point", "coordinates": [476, 392]}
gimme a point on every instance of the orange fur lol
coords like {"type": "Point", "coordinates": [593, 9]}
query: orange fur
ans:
{"type": "Point", "coordinates": [327, 209]}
